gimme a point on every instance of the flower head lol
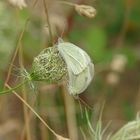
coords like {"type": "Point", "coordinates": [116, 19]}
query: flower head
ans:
{"type": "Point", "coordinates": [49, 66]}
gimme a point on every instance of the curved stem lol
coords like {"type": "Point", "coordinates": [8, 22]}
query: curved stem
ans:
{"type": "Point", "coordinates": [37, 115]}
{"type": "Point", "coordinates": [18, 86]}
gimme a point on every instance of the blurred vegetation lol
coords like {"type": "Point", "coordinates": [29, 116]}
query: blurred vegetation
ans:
{"type": "Point", "coordinates": [111, 39]}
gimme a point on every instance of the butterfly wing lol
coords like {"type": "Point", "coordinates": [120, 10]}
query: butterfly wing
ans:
{"type": "Point", "coordinates": [75, 58]}
{"type": "Point", "coordinates": [79, 65]}
{"type": "Point", "coordinates": [78, 83]}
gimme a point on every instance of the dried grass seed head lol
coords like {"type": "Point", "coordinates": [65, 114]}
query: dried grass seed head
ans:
{"type": "Point", "coordinates": [79, 66]}
{"type": "Point", "coordinates": [85, 10]}
{"type": "Point", "coordinates": [49, 66]}
{"type": "Point", "coordinates": [19, 3]}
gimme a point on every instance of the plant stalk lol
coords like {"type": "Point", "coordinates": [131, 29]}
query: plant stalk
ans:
{"type": "Point", "coordinates": [16, 87]}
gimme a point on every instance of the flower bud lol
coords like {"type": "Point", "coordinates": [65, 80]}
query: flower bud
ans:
{"type": "Point", "coordinates": [85, 10]}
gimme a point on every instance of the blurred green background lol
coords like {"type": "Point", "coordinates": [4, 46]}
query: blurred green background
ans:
{"type": "Point", "coordinates": [111, 38]}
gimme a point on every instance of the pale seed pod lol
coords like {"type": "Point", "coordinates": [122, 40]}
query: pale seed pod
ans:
{"type": "Point", "coordinates": [85, 10]}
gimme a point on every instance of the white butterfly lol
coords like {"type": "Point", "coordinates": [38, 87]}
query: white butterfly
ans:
{"type": "Point", "coordinates": [79, 65]}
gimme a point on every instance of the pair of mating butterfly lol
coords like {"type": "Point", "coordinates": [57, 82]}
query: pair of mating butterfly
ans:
{"type": "Point", "coordinates": [79, 65]}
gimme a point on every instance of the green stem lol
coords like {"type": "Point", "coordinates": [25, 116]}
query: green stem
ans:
{"type": "Point", "coordinates": [18, 86]}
